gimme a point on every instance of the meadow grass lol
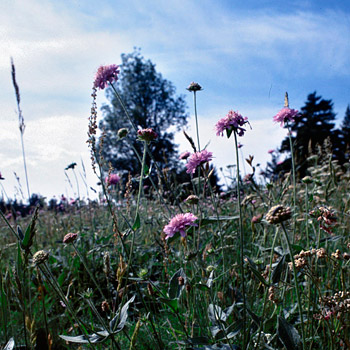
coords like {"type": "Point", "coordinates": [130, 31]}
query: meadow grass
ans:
{"type": "Point", "coordinates": [264, 265]}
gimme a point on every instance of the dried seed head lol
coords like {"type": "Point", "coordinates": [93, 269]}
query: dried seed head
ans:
{"type": "Point", "coordinates": [122, 132]}
{"type": "Point", "coordinates": [106, 264]}
{"type": "Point", "coordinates": [105, 306]}
{"type": "Point", "coordinates": [194, 87]}
{"type": "Point", "coordinates": [192, 199]}
{"type": "Point", "coordinates": [278, 214]}
{"type": "Point", "coordinates": [70, 237]}
{"type": "Point", "coordinates": [40, 257]}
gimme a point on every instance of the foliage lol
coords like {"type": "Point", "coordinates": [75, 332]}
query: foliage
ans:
{"type": "Point", "coordinates": [151, 102]}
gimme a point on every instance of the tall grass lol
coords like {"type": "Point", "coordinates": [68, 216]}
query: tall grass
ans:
{"type": "Point", "coordinates": [234, 280]}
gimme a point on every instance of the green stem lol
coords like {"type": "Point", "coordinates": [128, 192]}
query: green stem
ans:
{"type": "Point", "coordinates": [241, 241]}
{"type": "Point", "coordinates": [196, 117]}
{"type": "Point", "coordinates": [296, 284]}
{"type": "Point", "coordinates": [294, 181]}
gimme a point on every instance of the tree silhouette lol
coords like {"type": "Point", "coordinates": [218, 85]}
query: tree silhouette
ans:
{"type": "Point", "coordinates": [151, 102]}
{"type": "Point", "coordinates": [345, 130]}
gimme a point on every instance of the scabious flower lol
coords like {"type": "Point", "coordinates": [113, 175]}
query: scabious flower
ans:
{"type": "Point", "coordinates": [232, 122]}
{"type": "Point", "coordinates": [285, 115]}
{"type": "Point", "coordinates": [112, 179]}
{"type": "Point", "coordinates": [194, 87]}
{"type": "Point", "coordinates": [105, 75]}
{"type": "Point", "coordinates": [179, 223]}
{"type": "Point", "coordinates": [184, 155]}
{"type": "Point", "coordinates": [40, 257]}
{"type": "Point", "coordinates": [278, 214]}
{"type": "Point", "coordinates": [147, 135]}
{"type": "Point", "coordinates": [70, 238]}
{"type": "Point", "coordinates": [196, 159]}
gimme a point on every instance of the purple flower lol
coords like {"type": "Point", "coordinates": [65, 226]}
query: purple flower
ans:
{"type": "Point", "coordinates": [105, 75]}
{"type": "Point", "coordinates": [112, 179]}
{"type": "Point", "coordinates": [147, 135]}
{"type": "Point", "coordinates": [184, 155]}
{"type": "Point", "coordinates": [284, 115]}
{"type": "Point", "coordinates": [232, 122]}
{"type": "Point", "coordinates": [196, 159]}
{"type": "Point", "coordinates": [179, 223]}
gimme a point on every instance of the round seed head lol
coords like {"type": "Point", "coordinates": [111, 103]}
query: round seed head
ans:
{"type": "Point", "coordinates": [70, 238]}
{"type": "Point", "coordinates": [40, 256]}
{"type": "Point", "coordinates": [278, 214]}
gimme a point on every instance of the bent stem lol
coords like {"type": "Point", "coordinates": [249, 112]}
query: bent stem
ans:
{"type": "Point", "coordinates": [295, 284]}
{"type": "Point", "coordinates": [241, 241]}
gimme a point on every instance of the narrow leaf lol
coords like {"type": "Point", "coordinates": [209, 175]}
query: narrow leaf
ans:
{"type": "Point", "coordinates": [172, 303]}
{"type": "Point", "coordinates": [121, 317]}
{"type": "Point", "coordinates": [137, 223]}
{"type": "Point", "coordinates": [177, 284]}
{"type": "Point", "coordinates": [253, 268]}
{"type": "Point", "coordinates": [277, 271]}
{"type": "Point", "coordinates": [288, 335]}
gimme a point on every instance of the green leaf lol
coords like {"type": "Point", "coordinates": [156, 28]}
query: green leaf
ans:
{"type": "Point", "coordinates": [288, 335]}
{"type": "Point", "coordinates": [277, 271]}
{"type": "Point", "coordinates": [253, 268]}
{"type": "Point", "coordinates": [176, 288]}
{"type": "Point", "coordinates": [97, 337]}
{"type": "Point", "coordinates": [10, 344]}
{"type": "Point", "coordinates": [27, 241]}
{"type": "Point", "coordinates": [137, 223]}
{"type": "Point", "coordinates": [120, 317]}
{"type": "Point", "coordinates": [172, 303]}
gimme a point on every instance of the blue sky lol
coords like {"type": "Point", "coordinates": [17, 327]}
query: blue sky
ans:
{"type": "Point", "coordinates": [244, 55]}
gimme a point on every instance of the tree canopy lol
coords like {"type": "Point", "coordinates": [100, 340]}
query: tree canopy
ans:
{"type": "Point", "coordinates": [152, 103]}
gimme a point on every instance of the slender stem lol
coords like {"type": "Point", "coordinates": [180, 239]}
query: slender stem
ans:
{"type": "Point", "coordinates": [241, 241]}
{"type": "Point", "coordinates": [88, 271]}
{"type": "Point", "coordinates": [261, 327]}
{"type": "Point", "coordinates": [296, 284]}
{"type": "Point", "coordinates": [294, 181]}
{"type": "Point", "coordinates": [196, 117]}
{"type": "Point", "coordinates": [25, 165]}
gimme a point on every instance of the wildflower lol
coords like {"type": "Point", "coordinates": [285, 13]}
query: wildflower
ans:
{"type": "Point", "coordinates": [105, 75]}
{"type": "Point", "coordinates": [232, 122]}
{"type": "Point", "coordinates": [184, 155]}
{"type": "Point", "coordinates": [179, 223]}
{"type": "Point", "coordinates": [326, 217]}
{"type": "Point", "coordinates": [40, 256]}
{"type": "Point", "coordinates": [307, 179]}
{"type": "Point", "coordinates": [257, 218]}
{"type": "Point", "coordinates": [191, 199]}
{"type": "Point", "coordinates": [122, 132]}
{"type": "Point", "coordinates": [70, 237]}
{"type": "Point", "coordinates": [147, 135]}
{"type": "Point", "coordinates": [1, 178]}
{"type": "Point", "coordinates": [112, 179]}
{"type": "Point", "coordinates": [285, 115]}
{"type": "Point", "coordinates": [194, 87]}
{"type": "Point", "coordinates": [270, 151]}
{"type": "Point", "coordinates": [278, 214]}
{"type": "Point", "coordinates": [197, 159]}
{"type": "Point", "coordinates": [321, 253]}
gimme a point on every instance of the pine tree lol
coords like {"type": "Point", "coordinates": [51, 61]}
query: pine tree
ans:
{"type": "Point", "coordinates": [345, 130]}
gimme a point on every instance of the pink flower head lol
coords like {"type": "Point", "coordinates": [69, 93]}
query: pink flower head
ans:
{"type": "Point", "coordinates": [196, 159]}
{"type": "Point", "coordinates": [232, 122]}
{"type": "Point", "coordinates": [284, 115]}
{"type": "Point", "coordinates": [270, 151]}
{"type": "Point", "coordinates": [147, 135]}
{"type": "Point", "coordinates": [112, 179]}
{"type": "Point", "coordinates": [179, 223]}
{"type": "Point", "coordinates": [184, 155]}
{"type": "Point", "coordinates": [105, 75]}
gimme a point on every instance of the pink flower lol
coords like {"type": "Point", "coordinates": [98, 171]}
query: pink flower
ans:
{"type": "Point", "coordinates": [284, 115]}
{"type": "Point", "coordinates": [70, 237]}
{"type": "Point", "coordinates": [232, 122]}
{"type": "Point", "coordinates": [105, 75]}
{"type": "Point", "coordinates": [112, 179]}
{"type": "Point", "coordinates": [184, 155]}
{"type": "Point", "coordinates": [196, 159]}
{"type": "Point", "coordinates": [179, 223]}
{"type": "Point", "coordinates": [270, 151]}
{"type": "Point", "coordinates": [147, 135]}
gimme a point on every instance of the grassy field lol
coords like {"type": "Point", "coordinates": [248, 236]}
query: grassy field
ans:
{"type": "Point", "coordinates": [120, 284]}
